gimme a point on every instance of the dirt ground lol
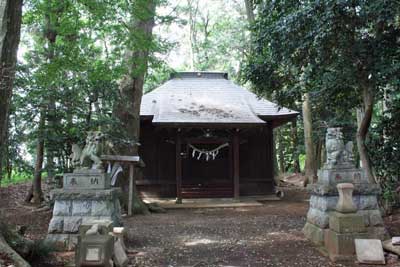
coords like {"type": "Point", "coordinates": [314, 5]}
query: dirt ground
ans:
{"type": "Point", "coordinates": [268, 235]}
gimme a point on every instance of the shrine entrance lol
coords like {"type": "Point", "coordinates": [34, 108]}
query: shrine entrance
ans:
{"type": "Point", "coordinates": [207, 169]}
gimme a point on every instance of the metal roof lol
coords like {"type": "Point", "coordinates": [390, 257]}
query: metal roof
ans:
{"type": "Point", "coordinates": [208, 98]}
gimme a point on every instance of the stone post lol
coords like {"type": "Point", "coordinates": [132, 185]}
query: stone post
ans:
{"type": "Point", "coordinates": [345, 203]}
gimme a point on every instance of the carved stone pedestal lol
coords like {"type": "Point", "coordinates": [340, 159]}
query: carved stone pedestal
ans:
{"type": "Point", "coordinates": [324, 198]}
{"type": "Point", "coordinates": [85, 199]}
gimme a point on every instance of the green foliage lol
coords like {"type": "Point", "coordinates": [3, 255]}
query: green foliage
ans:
{"type": "Point", "coordinates": [40, 249]}
{"type": "Point", "coordinates": [217, 35]}
{"type": "Point", "coordinates": [330, 49]}
{"type": "Point", "coordinates": [384, 146]}
{"type": "Point", "coordinates": [17, 177]}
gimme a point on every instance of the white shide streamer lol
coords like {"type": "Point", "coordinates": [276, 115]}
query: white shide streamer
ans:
{"type": "Point", "coordinates": [208, 154]}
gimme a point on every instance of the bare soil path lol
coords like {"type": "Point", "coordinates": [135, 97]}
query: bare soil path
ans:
{"type": "Point", "coordinates": [268, 235]}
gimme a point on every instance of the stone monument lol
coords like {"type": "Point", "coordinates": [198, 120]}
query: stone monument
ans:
{"type": "Point", "coordinates": [86, 197]}
{"type": "Point", "coordinates": [340, 168]}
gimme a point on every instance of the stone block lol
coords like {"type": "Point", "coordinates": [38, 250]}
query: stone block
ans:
{"type": "Point", "coordinates": [95, 250]}
{"type": "Point", "coordinates": [314, 234]}
{"type": "Point", "coordinates": [102, 208]}
{"type": "Point", "coordinates": [105, 226]}
{"type": "Point", "coordinates": [375, 218]}
{"type": "Point", "coordinates": [86, 179]}
{"type": "Point", "coordinates": [119, 233]}
{"type": "Point", "coordinates": [56, 225]}
{"type": "Point", "coordinates": [71, 224]}
{"type": "Point", "coordinates": [345, 203]}
{"type": "Point", "coordinates": [333, 176]}
{"type": "Point", "coordinates": [377, 232]}
{"type": "Point", "coordinates": [323, 203]}
{"type": "Point", "coordinates": [81, 207]}
{"type": "Point", "coordinates": [341, 246]}
{"type": "Point", "coordinates": [369, 251]}
{"type": "Point", "coordinates": [368, 202]}
{"type": "Point", "coordinates": [346, 222]}
{"type": "Point", "coordinates": [319, 218]}
{"type": "Point", "coordinates": [365, 215]}
{"type": "Point", "coordinates": [120, 258]}
{"type": "Point", "coordinates": [62, 208]}
{"type": "Point", "coordinates": [387, 245]}
{"type": "Point", "coordinates": [86, 194]}
{"type": "Point", "coordinates": [396, 240]}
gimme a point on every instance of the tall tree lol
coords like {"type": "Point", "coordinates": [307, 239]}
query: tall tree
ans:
{"type": "Point", "coordinates": [342, 50]}
{"type": "Point", "coordinates": [10, 29]}
{"type": "Point", "coordinates": [310, 166]}
{"type": "Point", "coordinates": [136, 58]}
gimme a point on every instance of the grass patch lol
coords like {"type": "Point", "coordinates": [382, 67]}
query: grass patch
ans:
{"type": "Point", "coordinates": [17, 177]}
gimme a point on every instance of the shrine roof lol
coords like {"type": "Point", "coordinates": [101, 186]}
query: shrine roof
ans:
{"type": "Point", "coordinates": [208, 98]}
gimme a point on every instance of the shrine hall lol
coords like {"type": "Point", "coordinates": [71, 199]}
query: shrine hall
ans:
{"type": "Point", "coordinates": [203, 136]}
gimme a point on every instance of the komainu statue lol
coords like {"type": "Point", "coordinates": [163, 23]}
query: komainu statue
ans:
{"type": "Point", "coordinates": [337, 153]}
{"type": "Point", "coordinates": [88, 157]}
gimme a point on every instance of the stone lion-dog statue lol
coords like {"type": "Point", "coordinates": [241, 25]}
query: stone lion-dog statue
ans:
{"type": "Point", "coordinates": [88, 157]}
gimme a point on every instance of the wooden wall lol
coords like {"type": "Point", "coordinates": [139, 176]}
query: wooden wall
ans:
{"type": "Point", "coordinates": [158, 152]}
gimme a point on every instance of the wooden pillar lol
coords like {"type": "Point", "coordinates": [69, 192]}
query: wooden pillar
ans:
{"type": "Point", "coordinates": [178, 167]}
{"type": "Point", "coordinates": [235, 144]}
{"type": "Point", "coordinates": [130, 196]}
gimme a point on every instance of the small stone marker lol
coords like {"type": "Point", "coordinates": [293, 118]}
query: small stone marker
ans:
{"type": "Point", "coordinates": [120, 258]}
{"type": "Point", "coordinates": [396, 241]}
{"type": "Point", "coordinates": [94, 249]}
{"type": "Point", "coordinates": [388, 245]}
{"type": "Point", "coordinates": [369, 251]}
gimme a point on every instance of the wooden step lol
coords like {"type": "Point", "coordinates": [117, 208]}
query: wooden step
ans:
{"type": "Point", "coordinates": [206, 191]}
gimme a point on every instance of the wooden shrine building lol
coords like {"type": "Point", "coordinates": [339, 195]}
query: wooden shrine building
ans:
{"type": "Point", "coordinates": [204, 136]}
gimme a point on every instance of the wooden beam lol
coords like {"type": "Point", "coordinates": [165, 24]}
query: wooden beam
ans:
{"type": "Point", "coordinates": [178, 167]}
{"type": "Point", "coordinates": [135, 159]}
{"type": "Point", "coordinates": [236, 162]}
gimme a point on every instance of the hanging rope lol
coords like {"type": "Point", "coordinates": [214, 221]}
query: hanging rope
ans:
{"type": "Point", "coordinates": [209, 154]}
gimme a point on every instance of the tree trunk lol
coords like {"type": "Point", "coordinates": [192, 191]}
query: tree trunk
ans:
{"type": "Point", "coordinates": [35, 191]}
{"type": "Point", "coordinates": [51, 24]}
{"type": "Point", "coordinates": [249, 11]}
{"type": "Point", "coordinates": [10, 29]}
{"type": "Point", "coordinates": [295, 143]}
{"type": "Point", "coordinates": [15, 257]}
{"type": "Point", "coordinates": [281, 160]}
{"type": "Point", "coordinates": [193, 9]}
{"type": "Point", "coordinates": [362, 131]}
{"type": "Point", "coordinates": [127, 110]}
{"type": "Point", "coordinates": [310, 168]}
{"type": "Point", "coordinates": [318, 154]}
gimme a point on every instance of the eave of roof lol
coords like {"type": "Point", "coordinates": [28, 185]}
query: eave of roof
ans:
{"type": "Point", "coordinates": [208, 98]}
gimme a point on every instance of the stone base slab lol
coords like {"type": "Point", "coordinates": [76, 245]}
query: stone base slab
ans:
{"type": "Point", "coordinates": [341, 246]}
{"type": "Point", "coordinates": [73, 208]}
{"type": "Point", "coordinates": [331, 190]}
{"type": "Point", "coordinates": [320, 206]}
{"type": "Point", "coordinates": [314, 234]}
{"type": "Point", "coordinates": [81, 194]}
{"type": "Point", "coordinates": [346, 223]}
